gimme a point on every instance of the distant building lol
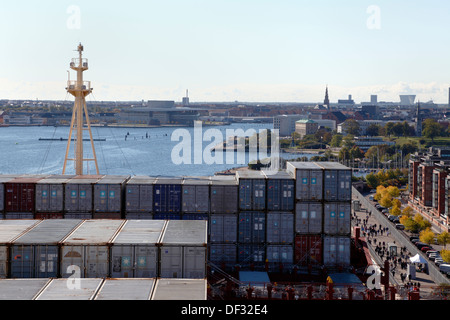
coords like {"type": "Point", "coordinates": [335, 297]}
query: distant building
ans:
{"type": "Point", "coordinates": [407, 99]}
{"type": "Point", "coordinates": [326, 101]}
{"type": "Point", "coordinates": [305, 127]}
{"type": "Point", "coordinates": [365, 143]}
{"type": "Point", "coordinates": [185, 101]}
{"type": "Point", "coordinates": [286, 123]}
{"type": "Point", "coordinates": [348, 102]}
{"type": "Point", "coordinates": [372, 110]}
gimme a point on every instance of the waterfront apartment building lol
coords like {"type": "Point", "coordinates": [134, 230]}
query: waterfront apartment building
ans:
{"type": "Point", "coordinates": [428, 183]}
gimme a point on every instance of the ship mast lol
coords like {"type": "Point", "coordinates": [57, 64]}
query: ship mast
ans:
{"type": "Point", "coordinates": [79, 89]}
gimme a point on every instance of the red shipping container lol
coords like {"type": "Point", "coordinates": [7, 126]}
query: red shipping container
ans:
{"type": "Point", "coordinates": [308, 249]}
{"type": "Point", "coordinates": [20, 195]}
{"type": "Point", "coordinates": [49, 216]}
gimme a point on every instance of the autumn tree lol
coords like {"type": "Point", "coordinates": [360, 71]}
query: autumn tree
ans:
{"type": "Point", "coordinates": [443, 238]}
{"type": "Point", "coordinates": [427, 236]}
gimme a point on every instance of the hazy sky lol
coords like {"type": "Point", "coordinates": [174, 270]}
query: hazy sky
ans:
{"type": "Point", "coordinates": [226, 50]}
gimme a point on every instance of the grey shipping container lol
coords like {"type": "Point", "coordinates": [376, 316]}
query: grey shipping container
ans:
{"type": "Point", "coordinates": [252, 190]}
{"type": "Point", "coordinates": [280, 227]}
{"type": "Point", "coordinates": [85, 252]}
{"type": "Point", "coordinates": [337, 218]}
{"type": "Point", "coordinates": [21, 289]}
{"type": "Point", "coordinates": [108, 194]}
{"type": "Point", "coordinates": [9, 231]}
{"type": "Point", "coordinates": [35, 254]}
{"type": "Point", "coordinates": [336, 251]}
{"type": "Point", "coordinates": [126, 289]}
{"type": "Point", "coordinates": [195, 195]}
{"type": "Point", "coordinates": [252, 227]}
{"type": "Point", "coordinates": [224, 194]}
{"type": "Point", "coordinates": [134, 251]}
{"type": "Point", "coordinates": [336, 181]}
{"type": "Point", "coordinates": [308, 217]}
{"type": "Point", "coordinates": [180, 289]}
{"type": "Point", "coordinates": [183, 249]}
{"type": "Point", "coordinates": [280, 191]}
{"type": "Point", "coordinates": [309, 180]}
{"type": "Point", "coordinates": [70, 289]}
{"type": "Point", "coordinates": [251, 254]}
{"type": "Point", "coordinates": [223, 255]}
{"type": "Point", "coordinates": [79, 194]}
{"type": "Point", "coordinates": [167, 195]}
{"type": "Point", "coordinates": [277, 255]}
{"type": "Point", "coordinates": [139, 195]}
{"type": "Point", "coordinates": [223, 228]}
{"type": "Point", "coordinates": [50, 193]}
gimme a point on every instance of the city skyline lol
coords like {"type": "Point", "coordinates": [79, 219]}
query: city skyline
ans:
{"type": "Point", "coordinates": [286, 51]}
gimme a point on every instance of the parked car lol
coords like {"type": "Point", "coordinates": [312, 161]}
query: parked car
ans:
{"type": "Point", "coordinates": [426, 249]}
{"type": "Point", "coordinates": [420, 245]}
{"type": "Point", "coordinates": [434, 257]}
{"type": "Point", "coordinates": [444, 268]}
{"type": "Point", "coordinates": [438, 261]}
{"type": "Point", "coordinates": [400, 226]}
{"type": "Point", "coordinates": [411, 238]}
{"type": "Point", "coordinates": [373, 191]}
{"type": "Point", "coordinates": [432, 252]}
{"type": "Point", "coordinates": [415, 240]}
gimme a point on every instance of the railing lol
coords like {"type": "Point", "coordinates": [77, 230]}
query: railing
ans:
{"type": "Point", "coordinates": [434, 272]}
{"type": "Point", "coordinates": [73, 85]}
{"type": "Point", "coordinates": [75, 63]}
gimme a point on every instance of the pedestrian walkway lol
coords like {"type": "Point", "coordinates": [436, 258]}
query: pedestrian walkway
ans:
{"type": "Point", "coordinates": [378, 238]}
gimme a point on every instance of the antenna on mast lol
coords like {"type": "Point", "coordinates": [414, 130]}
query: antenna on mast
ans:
{"type": "Point", "coordinates": [79, 89]}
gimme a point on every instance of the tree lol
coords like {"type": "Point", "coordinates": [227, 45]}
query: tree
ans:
{"type": "Point", "coordinates": [409, 224]}
{"type": "Point", "coordinates": [445, 254]}
{"type": "Point", "coordinates": [389, 127]}
{"type": "Point", "coordinates": [422, 223]}
{"type": "Point", "coordinates": [443, 238]}
{"type": "Point", "coordinates": [386, 201]}
{"type": "Point", "coordinates": [431, 129]}
{"type": "Point", "coordinates": [372, 180]}
{"type": "Point", "coordinates": [352, 127]}
{"type": "Point", "coordinates": [395, 211]}
{"type": "Point", "coordinates": [373, 130]}
{"type": "Point", "coordinates": [407, 211]}
{"type": "Point", "coordinates": [336, 141]}
{"type": "Point", "coordinates": [427, 236]}
{"type": "Point", "coordinates": [392, 190]}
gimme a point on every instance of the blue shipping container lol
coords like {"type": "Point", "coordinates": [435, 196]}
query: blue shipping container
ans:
{"type": "Point", "coordinates": [167, 197]}
{"type": "Point", "coordinates": [252, 227]}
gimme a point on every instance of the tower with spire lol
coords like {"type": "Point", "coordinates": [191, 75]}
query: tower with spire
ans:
{"type": "Point", "coordinates": [326, 102]}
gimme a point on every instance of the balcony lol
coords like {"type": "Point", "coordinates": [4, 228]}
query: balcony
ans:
{"type": "Point", "coordinates": [75, 64]}
{"type": "Point", "coordinates": [72, 86]}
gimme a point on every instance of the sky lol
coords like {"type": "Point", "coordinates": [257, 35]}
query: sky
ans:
{"type": "Point", "coordinates": [227, 50]}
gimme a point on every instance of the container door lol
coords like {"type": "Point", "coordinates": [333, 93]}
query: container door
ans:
{"type": "Point", "coordinates": [72, 261]}
{"type": "Point", "coordinates": [245, 194]}
{"type": "Point", "coordinates": [97, 262]}
{"type": "Point", "coordinates": [46, 258]}
{"type": "Point", "coordinates": [146, 261]}
{"type": "Point", "coordinates": [230, 200]}
{"type": "Point", "coordinates": [217, 199]}
{"type": "Point", "coordinates": [71, 203]}
{"type": "Point", "coordinates": [22, 258]}
{"type": "Point", "coordinates": [122, 261]}
{"type": "Point", "coordinates": [42, 197]}
{"type": "Point", "coordinates": [85, 198]}
{"type": "Point", "coordinates": [3, 262]}
{"type": "Point", "coordinates": [171, 262]}
{"type": "Point", "coordinates": [194, 263]}
{"type": "Point", "coordinates": [145, 198]}
{"type": "Point", "coordinates": [56, 198]}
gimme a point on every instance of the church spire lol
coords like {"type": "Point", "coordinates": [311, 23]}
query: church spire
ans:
{"type": "Point", "coordinates": [326, 102]}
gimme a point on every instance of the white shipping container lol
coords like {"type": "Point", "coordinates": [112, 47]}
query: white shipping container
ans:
{"type": "Point", "coordinates": [126, 289]}
{"type": "Point", "coordinates": [139, 195]}
{"type": "Point", "coordinates": [309, 180]}
{"type": "Point", "coordinates": [21, 289]}
{"type": "Point", "coordinates": [337, 218]}
{"type": "Point", "coordinates": [85, 251]}
{"type": "Point", "coordinates": [180, 289]}
{"type": "Point", "coordinates": [70, 289]}
{"type": "Point", "coordinates": [9, 231]}
{"type": "Point", "coordinates": [336, 251]}
{"type": "Point", "coordinates": [183, 249]}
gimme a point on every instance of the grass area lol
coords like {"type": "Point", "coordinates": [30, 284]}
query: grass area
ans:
{"type": "Point", "coordinates": [438, 141]}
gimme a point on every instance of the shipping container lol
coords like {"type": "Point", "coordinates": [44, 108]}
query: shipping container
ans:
{"type": "Point", "coordinates": [138, 216]}
{"type": "Point", "coordinates": [78, 215]}
{"type": "Point", "coordinates": [19, 215]}
{"type": "Point", "coordinates": [223, 255]}
{"type": "Point", "coordinates": [20, 195]}
{"type": "Point", "coordinates": [167, 216]}
{"type": "Point", "coordinates": [252, 227]}
{"type": "Point", "coordinates": [280, 191]}
{"type": "Point", "coordinates": [308, 250]}
{"type": "Point", "coordinates": [167, 195]}
{"type": "Point", "coordinates": [195, 216]}
{"type": "Point", "coordinates": [195, 194]}
{"type": "Point", "coordinates": [48, 215]}
{"type": "Point", "coordinates": [251, 255]}
{"type": "Point", "coordinates": [252, 190]}
{"type": "Point", "coordinates": [50, 194]}
{"type": "Point", "coordinates": [337, 218]}
{"type": "Point", "coordinates": [79, 194]}
{"type": "Point", "coordinates": [280, 227]}
{"type": "Point", "coordinates": [35, 254]}
{"type": "Point", "coordinates": [223, 228]}
{"type": "Point", "coordinates": [308, 217]}
{"type": "Point", "coordinates": [224, 194]}
{"type": "Point", "coordinates": [126, 289]}
{"type": "Point", "coordinates": [337, 181]}
{"type": "Point", "coordinates": [4, 179]}
{"type": "Point", "coordinates": [183, 249]}
{"type": "Point", "coordinates": [21, 289]}
{"type": "Point", "coordinates": [134, 251]}
{"type": "Point", "coordinates": [9, 231]}
{"type": "Point", "coordinates": [139, 195]}
{"type": "Point", "coordinates": [309, 180]}
{"type": "Point", "coordinates": [180, 289]}
{"type": "Point", "coordinates": [85, 252]}
{"type": "Point", "coordinates": [70, 289]}
{"type": "Point", "coordinates": [109, 194]}
{"type": "Point", "coordinates": [280, 257]}
{"type": "Point", "coordinates": [107, 215]}
{"type": "Point", "coordinates": [336, 251]}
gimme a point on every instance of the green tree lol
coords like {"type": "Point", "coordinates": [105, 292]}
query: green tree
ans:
{"type": "Point", "coordinates": [336, 140]}
{"type": "Point", "coordinates": [352, 127]}
{"type": "Point", "coordinates": [373, 130]}
{"type": "Point", "coordinates": [431, 129]}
